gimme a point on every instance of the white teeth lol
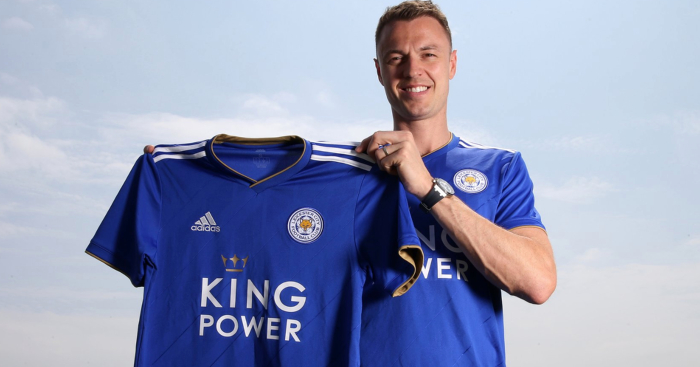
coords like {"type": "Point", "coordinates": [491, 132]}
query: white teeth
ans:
{"type": "Point", "coordinates": [416, 89]}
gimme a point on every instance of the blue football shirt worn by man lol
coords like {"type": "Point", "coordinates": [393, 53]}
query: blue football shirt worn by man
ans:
{"type": "Point", "coordinates": [472, 206]}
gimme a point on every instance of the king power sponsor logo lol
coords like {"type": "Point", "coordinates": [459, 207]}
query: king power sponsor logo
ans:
{"type": "Point", "coordinates": [206, 224]}
{"type": "Point", "coordinates": [224, 309]}
{"type": "Point", "coordinates": [224, 314]}
{"type": "Point", "coordinates": [442, 268]}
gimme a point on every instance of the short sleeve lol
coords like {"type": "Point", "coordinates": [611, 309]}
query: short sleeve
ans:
{"type": "Point", "coordinates": [384, 234]}
{"type": "Point", "coordinates": [126, 240]}
{"type": "Point", "coordinates": [516, 207]}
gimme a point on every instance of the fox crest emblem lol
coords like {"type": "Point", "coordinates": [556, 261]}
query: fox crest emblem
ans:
{"type": "Point", "coordinates": [471, 181]}
{"type": "Point", "coordinates": [305, 225]}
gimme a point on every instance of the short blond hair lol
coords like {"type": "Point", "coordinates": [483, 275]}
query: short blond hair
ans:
{"type": "Point", "coordinates": [409, 10]}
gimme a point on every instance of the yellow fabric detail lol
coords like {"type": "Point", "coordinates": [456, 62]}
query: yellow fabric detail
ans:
{"type": "Point", "coordinates": [413, 255]}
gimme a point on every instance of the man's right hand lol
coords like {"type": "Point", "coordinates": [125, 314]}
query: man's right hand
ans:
{"type": "Point", "coordinates": [148, 149]}
{"type": "Point", "coordinates": [401, 157]}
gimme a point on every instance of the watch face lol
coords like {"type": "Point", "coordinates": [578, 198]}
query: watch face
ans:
{"type": "Point", "coordinates": [445, 186]}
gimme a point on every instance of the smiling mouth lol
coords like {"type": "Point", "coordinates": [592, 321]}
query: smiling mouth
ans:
{"type": "Point", "coordinates": [415, 89]}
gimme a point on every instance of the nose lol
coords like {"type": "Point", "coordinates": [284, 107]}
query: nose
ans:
{"type": "Point", "coordinates": [412, 67]}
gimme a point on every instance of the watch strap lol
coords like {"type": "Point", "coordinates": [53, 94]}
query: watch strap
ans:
{"type": "Point", "coordinates": [431, 199]}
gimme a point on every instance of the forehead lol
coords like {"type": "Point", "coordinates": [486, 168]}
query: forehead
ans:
{"type": "Point", "coordinates": [419, 32]}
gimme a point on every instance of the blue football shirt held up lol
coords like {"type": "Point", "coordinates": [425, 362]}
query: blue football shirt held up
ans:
{"type": "Point", "coordinates": [257, 251]}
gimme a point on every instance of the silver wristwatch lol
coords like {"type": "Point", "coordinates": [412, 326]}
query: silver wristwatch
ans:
{"type": "Point", "coordinates": [441, 189]}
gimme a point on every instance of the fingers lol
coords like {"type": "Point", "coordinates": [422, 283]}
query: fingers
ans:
{"type": "Point", "coordinates": [396, 153]}
{"type": "Point", "coordinates": [390, 156]}
{"type": "Point", "coordinates": [370, 144]}
{"type": "Point", "coordinates": [148, 149]}
{"type": "Point", "coordinates": [363, 145]}
{"type": "Point", "coordinates": [383, 148]}
{"type": "Point", "coordinates": [375, 142]}
{"type": "Point", "coordinates": [396, 145]}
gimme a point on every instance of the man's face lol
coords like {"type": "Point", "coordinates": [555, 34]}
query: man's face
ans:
{"type": "Point", "coordinates": [414, 64]}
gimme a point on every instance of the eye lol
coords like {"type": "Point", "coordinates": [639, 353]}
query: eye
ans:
{"type": "Point", "coordinates": [394, 59]}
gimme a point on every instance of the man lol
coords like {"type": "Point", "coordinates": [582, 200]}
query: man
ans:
{"type": "Point", "coordinates": [484, 238]}
{"type": "Point", "coordinates": [453, 317]}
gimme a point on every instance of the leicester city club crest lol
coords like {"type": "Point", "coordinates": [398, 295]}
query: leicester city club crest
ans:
{"type": "Point", "coordinates": [305, 225]}
{"type": "Point", "coordinates": [470, 181]}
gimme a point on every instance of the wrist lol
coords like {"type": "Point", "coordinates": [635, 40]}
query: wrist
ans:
{"type": "Point", "coordinates": [426, 188]}
{"type": "Point", "coordinates": [439, 190]}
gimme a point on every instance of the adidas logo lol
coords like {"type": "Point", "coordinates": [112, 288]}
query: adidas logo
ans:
{"type": "Point", "coordinates": [206, 224]}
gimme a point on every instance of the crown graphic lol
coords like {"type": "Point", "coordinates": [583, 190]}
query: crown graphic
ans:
{"type": "Point", "coordinates": [235, 259]}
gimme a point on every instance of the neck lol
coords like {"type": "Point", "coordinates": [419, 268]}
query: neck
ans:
{"type": "Point", "coordinates": [429, 134]}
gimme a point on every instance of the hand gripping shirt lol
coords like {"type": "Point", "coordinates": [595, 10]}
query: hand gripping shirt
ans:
{"type": "Point", "coordinates": [453, 316]}
{"type": "Point", "coordinates": [255, 252]}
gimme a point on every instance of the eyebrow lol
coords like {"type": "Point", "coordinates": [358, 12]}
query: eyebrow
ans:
{"type": "Point", "coordinates": [396, 51]}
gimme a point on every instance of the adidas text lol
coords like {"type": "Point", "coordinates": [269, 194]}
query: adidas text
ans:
{"type": "Point", "coordinates": [206, 228]}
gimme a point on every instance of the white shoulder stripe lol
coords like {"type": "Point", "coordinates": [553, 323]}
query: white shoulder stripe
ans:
{"type": "Point", "coordinates": [468, 144]}
{"type": "Point", "coordinates": [348, 143]}
{"type": "Point", "coordinates": [350, 162]}
{"type": "Point", "coordinates": [180, 156]}
{"type": "Point", "coordinates": [179, 148]}
{"type": "Point", "coordinates": [343, 151]}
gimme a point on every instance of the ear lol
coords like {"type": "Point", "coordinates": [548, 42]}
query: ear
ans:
{"type": "Point", "coordinates": [379, 71]}
{"type": "Point", "coordinates": [453, 63]}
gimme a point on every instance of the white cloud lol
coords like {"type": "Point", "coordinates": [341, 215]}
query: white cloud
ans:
{"type": "Point", "coordinates": [52, 9]}
{"type": "Point", "coordinates": [682, 123]}
{"type": "Point", "coordinates": [8, 79]}
{"type": "Point", "coordinates": [597, 144]}
{"type": "Point", "coordinates": [285, 97]}
{"type": "Point", "coordinates": [162, 128]}
{"type": "Point", "coordinates": [38, 113]}
{"type": "Point", "coordinates": [24, 151]}
{"type": "Point", "coordinates": [21, 151]}
{"type": "Point", "coordinates": [326, 99]}
{"type": "Point", "coordinates": [577, 190]}
{"type": "Point", "coordinates": [30, 145]}
{"type": "Point", "coordinates": [575, 142]}
{"type": "Point", "coordinates": [632, 315]}
{"type": "Point", "coordinates": [19, 86]}
{"type": "Point", "coordinates": [17, 23]}
{"type": "Point", "coordinates": [262, 105]}
{"type": "Point", "coordinates": [13, 230]}
{"type": "Point", "coordinates": [89, 300]}
{"type": "Point", "coordinates": [88, 28]}
{"type": "Point", "coordinates": [474, 132]}
{"type": "Point", "coordinates": [592, 255]}
{"type": "Point", "coordinates": [692, 243]}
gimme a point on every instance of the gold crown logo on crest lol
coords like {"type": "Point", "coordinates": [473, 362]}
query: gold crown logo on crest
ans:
{"type": "Point", "coordinates": [235, 259]}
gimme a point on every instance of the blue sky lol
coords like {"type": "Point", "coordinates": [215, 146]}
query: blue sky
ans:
{"type": "Point", "coordinates": [600, 97]}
